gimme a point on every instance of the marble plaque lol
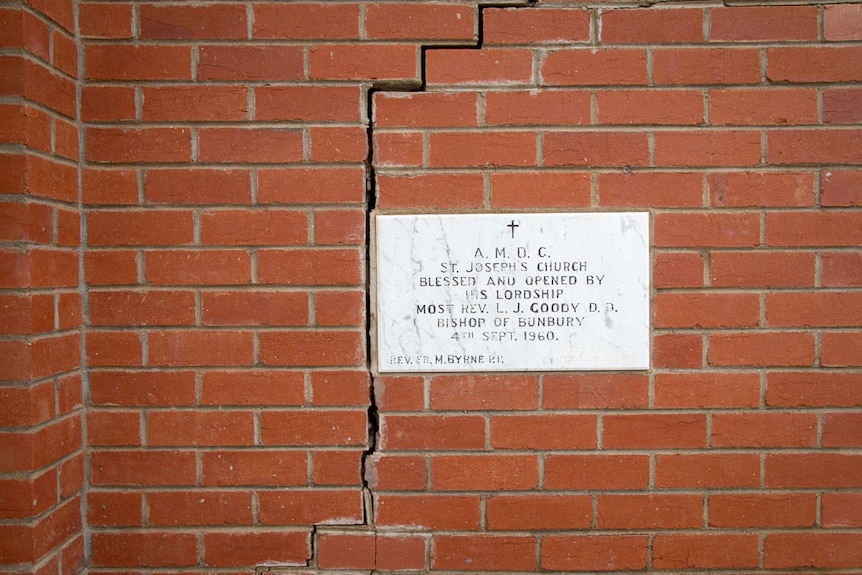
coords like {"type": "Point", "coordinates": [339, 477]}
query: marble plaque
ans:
{"type": "Point", "coordinates": [512, 292]}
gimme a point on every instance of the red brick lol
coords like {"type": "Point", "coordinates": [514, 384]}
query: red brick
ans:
{"type": "Point", "coordinates": [99, 20]}
{"type": "Point", "coordinates": [432, 432]}
{"type": "Point", "coordinates": [307, 267]}
{"type": "Point", "coordinates": [546, 431]}
{"type": "Point", "coordinates": [54, 355]}
{"type": "Point", "coordinates": [240, 549]}
{"type": "Point", "coordinates": [761, 189]}
{"type": "Point", "coordinates": [250, 145]}
{"type": "Point", "coordinates": [65, 53]}
{"type": "Point", "coordinates": [805, 64]}
{"type": "Point", "coordinates": [762, 349]}
{"type": "Point", "coordinates": [841, 349]}
{"type": "Point", "coordinates": [497, 66]}
{"type": "Point", "coordinates": [200, 348]}
{"type": "Point", "coordinates": [309, 507]}
{"type": "Point", "coordinates": [706, 310]}
{"type": "Point", "coordinates": [250, 63]}
{"type": "Point", "coordinates": [817, 550]}
{"type": "Point", "coordinates": [176, 508]}
{"type": "Point", "coordinates": [195, 103]}
{"type": "Point", "coordinates": [363, 62]}
{"type": "Point", "coordinates": [758, 23]}
{"type": "Point", "coordinates": [114, 509]}
{"type": "Point", "coordinates": [127, 389]}
{"type": "Point", "coordinates": [842, 22]}
{"type": "Point", "coordinates": [814, 309]}
{"type": "Point", "coordinates": [706, 390]}
{"type": "Point", "coordinates": [340, 388]}
{"type": "Point", "coordinates": [312, 348]}
{"type": "Point", "coordinates": [677, 350]}
{"type": "Point", "coordinates": [25, 315]}
{"type": "Point", "coordinates": [114, 428]}
{"type": "Point", "coordinates": [109, 186]}
{"type": "Point", "coordinates": [236, 468]}
{"type": "Point", "coordinates": [114, 349]}
{"type": "Point", "coordinates": [595, 67]}
{"type": "Point", "coordinates": [841, 509]}
{"type": "Point", "coordinates": [530, 108]}
{"type": "Point", "coordinates": [707, 229]}
{"type": "Point", "coordinates": [682, 269]}
{"type": "Point", "coordinates": [842, 106]}
{"type": "Point", "coordinates": [142, 467]}
{"type": "Point", "coordinates": [425, 109]}
{"type": "Point", "coordinates": [314, 428]}
{"type": "Point", "coordinates": [762, 269]}
{"type": "Point", "coordinates": [484, 393]}
{"type": "Point", "coordinates": [339, 227]}
{"type": "Point", "coordinates": [110, 267]}
{"type": "Point", "coordinates": [770, 429]}
{"type": "Point", "coordinates": [550, 26]}
{"type": "Point", "coordinates": [258, 227]}
{"type": "Point", "coordinates": [337, 468]}
{"type": "Point", "coordinates": [482, 149]}
{"type": "Point", "coordinates": [681, 66]}
{"type": "Point", "coordinates": [346, 550]}
{"type": "Point", "coordinates": [27, 406]}
{"type": "Point", "coordinates": [634, 107]}
{"type": "Point", "coordinates": [339, 144]}
{"type": "Point", "coordinates": [484, 472]}
{"type": "Point", "coordinates": [762, 107]}
{"type": "Point", "coordinates": [814, 146]}
{"type": "Point", "coordinates": [255, 388]}
{"type": "Point", "coordinates": [539, 512]}
{"type": "Point", "coordinates": [307, 103]}
{"type": "Point", "coordinates": [25, 125]}
{"type": "Point", "coordinates": [540, 189]}
{"type": "Point", "coordinates": [589, 391]}
{"type": "Point", "coordinates": [801, 389]}
{"type": "Point", "coordinates": [254, 308]}
{"type": "Point", "coordinates": [207, 267]}
{"type": "Point", "coordinates": [841, 269]}
{"type": "Point", "coordinates": [596, 472]}
{"type": "Point", "coordinates": [484, 552]}
{"type": "Point", "coordinates": [763, 510]}
{"type": "Point", "coordinates": [653, 431]}
{"type": "Point", "coordinates": [118, 308]}
{"type": "Point", "coordinates": [137, 62]}
{"type": "Point", "coordinates": [405, 21]}
{"type": "Point", "coordinates": [315, 186]}
{"type": "Point", "coordinates": [51, 179]}
{"type": "Point", "coordinates": [595, 149]}
{"type": "Point", "coordinates": [707, 470]}
{"type": "Point", "coordinates": [26, 222]}
{"type": "Point", "coordinates": [60, 12]}
{"type": "Point", "coordinates": [398, 149]}
{"type": "Point", "coordinates": [657, 511]}
{"type": "Point", "coordinates": [135, 145]}
{"type": "Point", "coordinates": [841, 430]}
{"type": "Point", "coordinates": [184, 22]}
{"type": "Point", "coordinates": [200, 428]}
{"type": "Point", "coordinates": [651, 26]}
{"type": "Point", "coordinates": [152, 549]}
{"type": "Point", "coordinates": [435, 512]}
{"type": "Point", "coordinates": [394, 393]}
{"type": "Point", "coordinates": [812, 470]}
{"type": "Point", "coordinates": [841, 188]}
{"type": "Point", "coordinates": [726, 148]}
{"type": "Point", "coordinates": [594, 552]}
{"type": "Point", "coordinates": [346, 308]}
{"type": "Point", "coordinates": [397, 473]}
{"type": "Point", "coordinates": [432, 190]}
{"type": "Point", "coordinates": [306, 21]}
{"type": "Point", "coordinates": [706, 551]}
{"type": "Point", "coordinates": [197, 186]}
{"type": "Point", "coordinates": [400, 553]}
{"type": "Point", "coordinates": [813, 228]}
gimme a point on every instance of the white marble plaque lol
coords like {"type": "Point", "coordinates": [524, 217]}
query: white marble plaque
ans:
{"type": "Point", "coordinates": [512, 292]}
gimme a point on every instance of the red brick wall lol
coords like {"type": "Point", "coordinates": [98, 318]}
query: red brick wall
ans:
{"type": "Point", "coordinates": [232, 151]}
{"type": "Point", "coordinates": [41, 396]}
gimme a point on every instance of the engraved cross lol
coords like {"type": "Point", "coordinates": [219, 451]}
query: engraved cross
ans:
{"type": "Point", "coordinates": [512, 226]}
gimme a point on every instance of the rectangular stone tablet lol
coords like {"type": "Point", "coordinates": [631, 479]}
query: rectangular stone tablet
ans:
{"type": "Point", "coordinates": [512, 292]}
